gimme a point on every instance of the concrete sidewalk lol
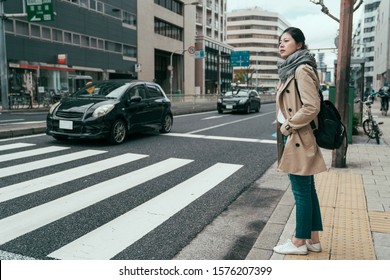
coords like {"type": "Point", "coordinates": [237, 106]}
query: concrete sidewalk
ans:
{"type": "Point", "coordinates": [355, 205]}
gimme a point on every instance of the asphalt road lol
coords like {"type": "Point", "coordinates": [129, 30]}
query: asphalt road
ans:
{"type": "Point", "coordinates": [145, 199]}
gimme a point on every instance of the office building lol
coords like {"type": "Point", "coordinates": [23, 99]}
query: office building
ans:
{"type": "Point", "coordinates": [257, 31]}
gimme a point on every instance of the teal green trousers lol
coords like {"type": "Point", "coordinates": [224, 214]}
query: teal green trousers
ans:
{"type": "Point", "coordinates": [308, 213]}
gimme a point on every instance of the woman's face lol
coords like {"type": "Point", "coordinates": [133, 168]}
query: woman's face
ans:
{"type": "Point", "coordinates": [287, 45]}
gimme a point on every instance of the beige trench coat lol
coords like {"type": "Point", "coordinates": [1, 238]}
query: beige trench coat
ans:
{"type": "Point", "coordinates": [300, 154]}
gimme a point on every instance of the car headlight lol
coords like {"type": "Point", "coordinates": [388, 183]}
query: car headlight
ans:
{"type": "Point", "coordinates": [102, 110]}
{"type": "Point", "coordinates": [219, 100]}
{"type": "Point", "coordinates": [242, 101]}
{"type": "Point", "coordinates": [53, 107]}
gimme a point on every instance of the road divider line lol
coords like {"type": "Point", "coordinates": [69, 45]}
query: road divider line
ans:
{"type": "Point", "coordinates": [39, 216]}
{"type": "Point", "coordinates": [45, 182]}
{"type": "Point", "coordinates": [224, 138]}
{"type": "Point", "coordinates": [110, 239]}
{"type": "Point", "coordinates": [229, 123]}
{"type": "Point", "coordinates": [34, 165]}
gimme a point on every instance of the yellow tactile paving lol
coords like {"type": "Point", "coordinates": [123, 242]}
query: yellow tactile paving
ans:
{"type": "Point", "coordinates": [346, 221]}
{"type": "Point", "coordinates": [379, 221]}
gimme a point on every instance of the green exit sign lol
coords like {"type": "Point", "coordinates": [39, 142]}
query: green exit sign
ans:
{"type": "Point", "coordinates": [40, 10]}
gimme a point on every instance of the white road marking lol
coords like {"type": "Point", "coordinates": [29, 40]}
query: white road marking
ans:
{"type": "Point", "coordinates": [45, 182]}
{"type": "Point", "coordinates": [229, 123]}
{"type": "Point", "coordinates": [211, 118]}
{"type": "Point", "coordinates": [31, 153]}
{"type": "Point", "coordinates": [29, 166]}
{"type": "Point", "coordinates": [224, 138]}
{"type": "Point", "coordinates": [34, 218]}
{"type": "Point", "coordinates": [112, 238]}
{"type": "Point", "coordinates": [15, 146]}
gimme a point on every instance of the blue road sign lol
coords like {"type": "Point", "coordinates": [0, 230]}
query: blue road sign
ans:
{"type": "Point", "coordinates": [239, 58]}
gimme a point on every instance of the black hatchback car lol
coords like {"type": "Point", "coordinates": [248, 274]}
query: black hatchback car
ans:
{"type": "Point", "coordinates": [244, 100]}
{"type": "Point", "coordinates": [110, 109]}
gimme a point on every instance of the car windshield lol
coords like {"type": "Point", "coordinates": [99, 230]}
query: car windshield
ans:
{"type": "Point", "coordinates": [102, 89]}
{"type": "Point", "coordinates": [238, 93]}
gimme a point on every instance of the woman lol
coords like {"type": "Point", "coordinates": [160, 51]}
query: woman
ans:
{"type": "Point", "coordinates": [298, 153]}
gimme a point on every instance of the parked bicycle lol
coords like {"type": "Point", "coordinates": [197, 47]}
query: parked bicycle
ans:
{"type": "Point", "coordinates": [370, 125]}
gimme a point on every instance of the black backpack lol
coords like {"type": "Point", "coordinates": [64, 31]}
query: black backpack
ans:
{"type": "Point", "coordinates": [331, 132]}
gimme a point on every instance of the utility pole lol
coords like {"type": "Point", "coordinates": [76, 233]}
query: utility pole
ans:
{"type": "Point", "coordinates": [342, 69]}
{"type": "Point", "coordinates": [343, 74]}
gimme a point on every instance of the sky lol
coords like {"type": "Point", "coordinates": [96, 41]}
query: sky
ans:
{"type": "Point", "coordinates": [320, 30]}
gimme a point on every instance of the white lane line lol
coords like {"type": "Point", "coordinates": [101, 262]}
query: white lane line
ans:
{"type": "Point", "coordinates": [11, 120]}
{"type": "Point", "coordinates": [24, 167]}
{"type": "Point", "coordinates": [15, 146]}
{"type": "Point", "coordinates": [45, 182]}
{"type": "Point", "coordinates": [30, 153]}
{"type": "Point", "coordinates": [208, 137]}
{"type": "Point", "coordinates": [229, 123]}
{"type": "Point", "coordinates": [115, 236]}
{"type": "Point", "coordinates": [34, 218]}
{"type": "Point", "coordinates": [211, 118]}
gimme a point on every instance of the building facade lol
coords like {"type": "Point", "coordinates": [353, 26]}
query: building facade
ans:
{"type": "Point", "coordinates": [257, 31]}
{"type": "Point", "coordinates": [382, 50]}
{"type": "Point", "coordinates": [213, 73]}
{"type": "Point", "coordinates": [87, 37]}
{"type": "Point", "coordinates": [180, 44]}
{"type": "Point", "coordinates": [363, 46]}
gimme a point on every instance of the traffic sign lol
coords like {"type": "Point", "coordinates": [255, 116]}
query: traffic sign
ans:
{"type": "Point", "coordinates": [191, 50]}
{"type": "Point", "coordinates": [239, 58]}
{"type": "Point", "coordinates": [39, 10]}
{"type": "Point", "coordinates": [199, 54]}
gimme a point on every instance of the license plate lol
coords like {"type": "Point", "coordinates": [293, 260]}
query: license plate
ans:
{"type": "Point", "coordinates": [229, 106]}
{"type": "Point", "coordinates": [66, 124]}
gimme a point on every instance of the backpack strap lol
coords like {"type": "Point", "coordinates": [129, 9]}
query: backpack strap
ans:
{"type": "Point", "coordinates": [312, 123]}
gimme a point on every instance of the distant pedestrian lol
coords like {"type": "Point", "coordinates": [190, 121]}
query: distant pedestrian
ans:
{"type": "Point", "coordinates": [298, 153]}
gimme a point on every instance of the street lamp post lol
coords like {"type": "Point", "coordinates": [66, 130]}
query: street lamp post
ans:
{"type": "Point", "coordinates": [170, 68]}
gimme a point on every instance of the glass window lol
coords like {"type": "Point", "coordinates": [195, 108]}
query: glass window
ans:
{"type": "Point", "coordinates": [129, 18]}
{"type": "Point", "coordinates": [67, 37]}
{"type": "Point", "coordinates": [57, 35]}
{"type": "Point", "coordinates": [46, 34]}
{"type": "Point", "coordinates": [100, 44]}
{"type": "Point", "coordinates": [76, 39]}
{"type": "Point", "coordinates": [93, 43]}
{"type": "Point", "coordinates": [35, 31]}
{"type": "Point", "coordinates": [84, 41]}
{"type": "Point", "coordinates": [21, 28]}
{"type": "Point", "coordinates": [129, 51]}
{"type": "Point", "coordinates": [153, 92]}
{"type": "Point", "coordinates": [84, 3]}
{"type": "Point", "coordinates": [92, 4]}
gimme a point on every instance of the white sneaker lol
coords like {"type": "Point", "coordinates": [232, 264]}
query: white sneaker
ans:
{"type": "Point", "coordinates": [289, 248]}
{"type": "Point", "coordinates": [313, 247]}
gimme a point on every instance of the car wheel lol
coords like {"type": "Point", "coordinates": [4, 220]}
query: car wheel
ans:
{"type": "Point", "coordinates": [248, 109]}
{"type": "Point", "coordinates": [167, 124]}
{"type": "Point", "coordinates": [258, 108]}
{"type": "Point", "coordinates": [118, 132]}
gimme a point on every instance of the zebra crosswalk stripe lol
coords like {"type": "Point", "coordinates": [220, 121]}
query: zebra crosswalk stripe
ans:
{"type": "Point", "coordinates": [45, 182]}
{"type": "Point", "coordinates": [110, 239]}
{"type": "Point", "coordinates": [30, 153]}
{"type": "Point", "coordinates": [30, 166]}
{"type": "Point", "coordinates": [15, 146]}
{"type": "Point", "coordinates": [24, 222]}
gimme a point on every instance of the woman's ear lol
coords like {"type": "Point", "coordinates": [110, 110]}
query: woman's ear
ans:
{"type": "Point", "coordinates": [299, 46]}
